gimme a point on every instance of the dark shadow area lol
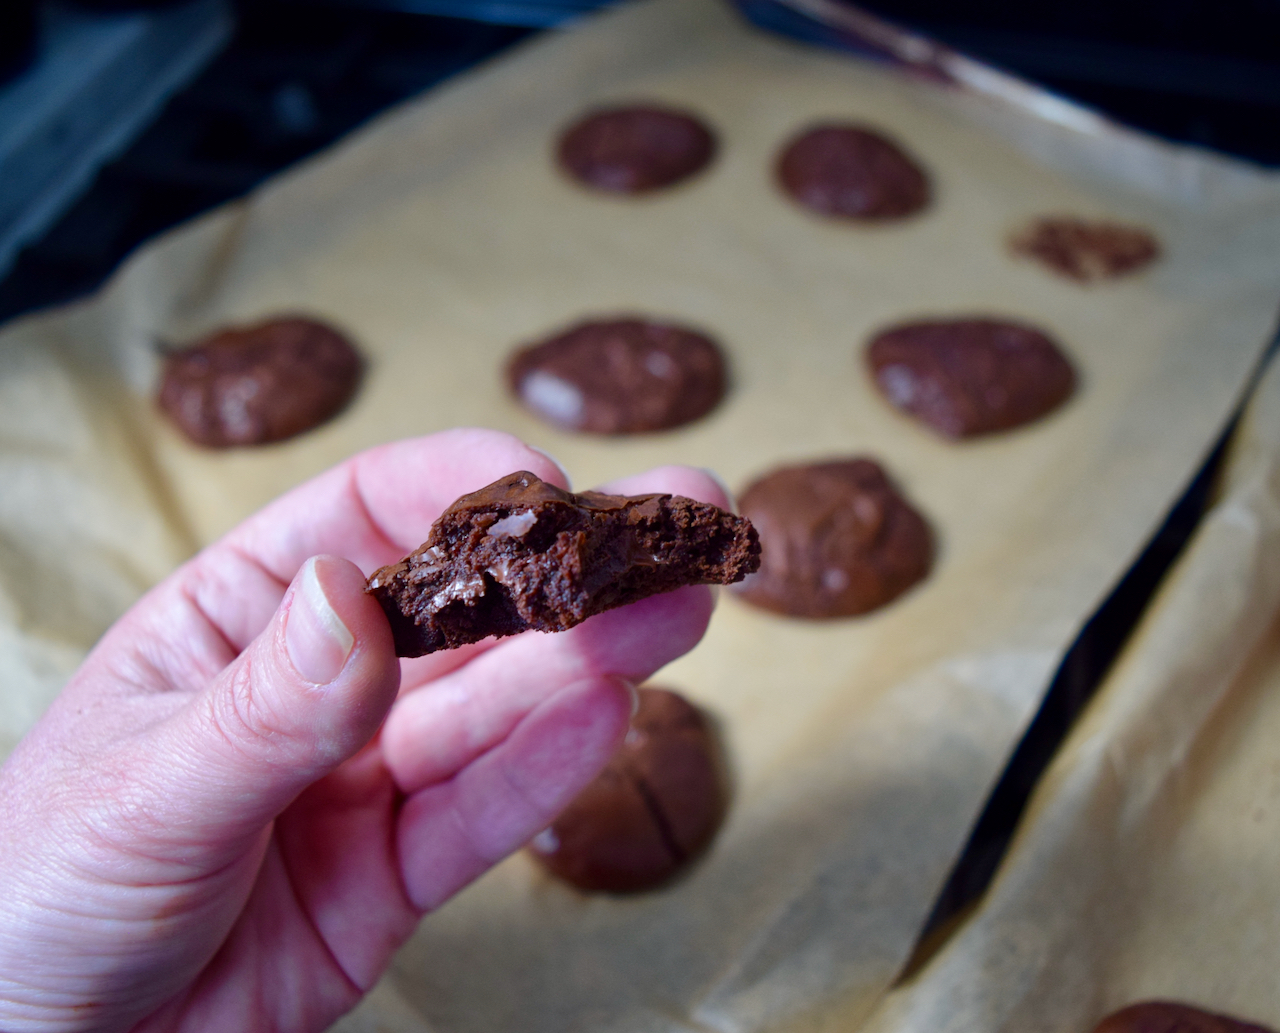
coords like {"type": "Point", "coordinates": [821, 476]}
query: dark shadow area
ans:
{"type": "Point", "coordinates": [1082, 670]}
{"type": "Point", "coordinates": [1189, 71]}
{"type": "Point", "coordinates": [293, 80]}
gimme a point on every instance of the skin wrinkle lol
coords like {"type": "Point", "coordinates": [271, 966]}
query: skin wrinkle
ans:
{"type": "Point", "coordinates": [475, 862]}
{"type": "Point", "coordinates": [386, 543]}
{"type": "Point", "coordinates": [61, 1001]}
{"type": "Point", "coordinates": [463, 814]}
{"type": "Point", "coordinates": [519, 795]}
{"type": "Point", "coordinates": [191, 641]}
{"type": "Point", "coordinates": [369, 790]}
{"type": "Point", "coordinates": [241, 724]}
{"type": "Point", "coordinates": [211, 568]}
{"type": "Point", "coordinates": [416, 672]}
{"type": "Point", "coordinates": [308, 918]}
{"type": "Point", "coordinates": [141, 815]}
{"type": "Point", "coordinates": [398, 800]}
{"type": "Point", "coordinates": [230, 649]}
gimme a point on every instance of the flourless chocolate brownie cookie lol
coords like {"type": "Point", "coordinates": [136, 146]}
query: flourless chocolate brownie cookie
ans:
{"type": "Point", "coordinates": [652, 811]}
{"type": "Point", "coordinates": [256, 384]}
{"type": "Point", "coordinates": [837, 539]}
{"type": "Point", "coordinates": [634, 150]}
{"type": "Point", "coordinates": [966, 377]}
{"type": "Point", "coordinates": [852, 172]}
{"type": "Point", "coordinates": [522, 554]}
{"type": "Point", "coordinates": [1086, 251]}
{"type": "Point", "coordinates": [619, 376]}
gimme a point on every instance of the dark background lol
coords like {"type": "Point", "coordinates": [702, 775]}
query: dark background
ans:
{"type": "Point", "coordinates": [298, 75]}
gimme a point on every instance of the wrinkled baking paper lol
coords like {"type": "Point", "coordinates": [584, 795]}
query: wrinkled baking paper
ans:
{"type": "Point", "coordinates": [1148, 865]}
{"type": "Point", "coordinates": [862, 749]}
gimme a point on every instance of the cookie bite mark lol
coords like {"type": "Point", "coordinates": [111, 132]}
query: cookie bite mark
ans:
{"type": "Point", "coordinates": [522, 554]}
{"type": "Point", "coordinates": [1086, 251]}
{"type": "Point", "coordinates": [968, 377]}
{"type": "Point", "coordinates": [852, 172]}
{"type": "Point", "coordinates": [652, 812]}
{"type": "Point", "coordinates": [262, 383]}
{"type": "Point", "coordinates": [619, 376]}
{"type": "Point", "coordinates": [837, 539]}
{"type": "Point", "coordinates": [635, 149]}
{"type": "Point", "coordinates": [1172, 1017]}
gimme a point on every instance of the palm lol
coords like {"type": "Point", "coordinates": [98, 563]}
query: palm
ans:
{"type": "Point", "coordinates": [192, 906]}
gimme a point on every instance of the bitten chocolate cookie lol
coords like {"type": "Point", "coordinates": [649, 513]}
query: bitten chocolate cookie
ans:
{"type": "Point", "coordinates": [966, 377]}
{"type": "Point", "coordinates": [652, 811]}
{"type": "Point", "coordinates": [1168, 1017]}
{"type": "Point", "coordinates": [1086, 251]}
{"type": "Point", "coordinates": [836, 540]}
{"type": "Point", "coordinates": [619, 376]}
{"type": "Point", "coordinates": [852, 172]}
{"type": "Point", "coordinates": [632, 150]}
{"type": "Point", "coordinates": [255, 384]}
{"type": "Point", "coordinates": [522, 554]}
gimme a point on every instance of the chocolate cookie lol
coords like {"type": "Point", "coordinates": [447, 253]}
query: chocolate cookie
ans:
{"type": "Point", "coordinates": [619, 376]}
{"type": "Point", "coordinates": [523, 554]}
{"type": "Point", "coordinates": [632, 150]}
{"type": "Point", "coordinates": [1168, 1017]}
{"type": "Point", "coordinates": [255, 384]}
{"type": "Point", "coordinates": [836, 540]}
{"type": "Point", "coordinates": [966, 377]}
{"type": "Point", "coordinates": [1086, 251]}
{"type": "Point", "coordinates": [852, 172]}
{"type": "Point", "coordinates": [653, 810]}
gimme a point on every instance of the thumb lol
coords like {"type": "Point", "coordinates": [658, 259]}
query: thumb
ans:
{"type": "Point", "coordinates": [305, 696]}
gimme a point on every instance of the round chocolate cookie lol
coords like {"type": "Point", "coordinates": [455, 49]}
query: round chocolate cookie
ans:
{"type": "Point", "coordinates": [619, 376]}
{"type": "Point", "coordinates": [852, 172]}
{"type": "Point", "coordinates": [653, 810]}
{"type": "Point", "coordinates": [836, 540]}
{"type": "Point", "coordinates": [632, 150]}
{"type": "Point", "coordinates": [1086, 251]}
{"type": "Point", "coordinates": [251, 385]}
{"type": "Point", "coordinates": [965, 377]}
{"type": "Point", "coordinates": [1170, 1017]}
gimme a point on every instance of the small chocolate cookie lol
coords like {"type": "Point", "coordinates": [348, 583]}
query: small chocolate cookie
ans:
{"type": "Point", "coordinates": [836, 540]}
{"type": "Point", "coordinates": [654, 809]}
{"type": "Point", "coordinates": [522, 554]}
{"type": "Point", "coordinates": [1169, 1017]}
{"type": "Point", "coordinates": [1086, 251]}
{"type": "Point", "coordinates": [255, 384]}
{"type": "Point", "coordinates": [632, 150]}
{"type": "Point", "coordinates": [965, 377]}
{"type": "Point", "coordinates": [852, 172]}
{"type": "Point", "coordinates": [619, 376]}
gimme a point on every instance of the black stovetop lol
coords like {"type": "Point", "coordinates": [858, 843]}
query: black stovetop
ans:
{"type": "Point", "coordinates": [296, 77]}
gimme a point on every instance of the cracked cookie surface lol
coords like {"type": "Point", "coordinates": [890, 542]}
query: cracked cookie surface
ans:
{"type": "Point", "coordinates": [522, 554]}
{"type": "Point", "coordinates": [652, 811]}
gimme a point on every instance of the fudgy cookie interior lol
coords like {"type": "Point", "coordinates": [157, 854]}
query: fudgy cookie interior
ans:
{"type": "Point", "coordinates": [523, 554]}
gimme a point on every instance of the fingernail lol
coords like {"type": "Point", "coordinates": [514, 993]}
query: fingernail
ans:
{"type": "Point", "coordinates": [317, 640]}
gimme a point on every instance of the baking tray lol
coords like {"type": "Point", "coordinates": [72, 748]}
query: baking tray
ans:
{"type": "Point", "coordinates": [863, 750]}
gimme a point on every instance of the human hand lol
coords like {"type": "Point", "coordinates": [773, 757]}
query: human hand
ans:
{"type": "Point", "coordinates": [242, 802]}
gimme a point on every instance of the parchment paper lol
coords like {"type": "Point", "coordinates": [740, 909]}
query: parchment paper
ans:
{"type": "Point", "coordinates": [441, 236]}
{"type": "Point", "coordinates": [1148, 865]}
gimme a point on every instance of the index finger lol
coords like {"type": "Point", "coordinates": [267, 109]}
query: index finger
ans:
{"type": "Point", "coordinates": [381, 503]}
